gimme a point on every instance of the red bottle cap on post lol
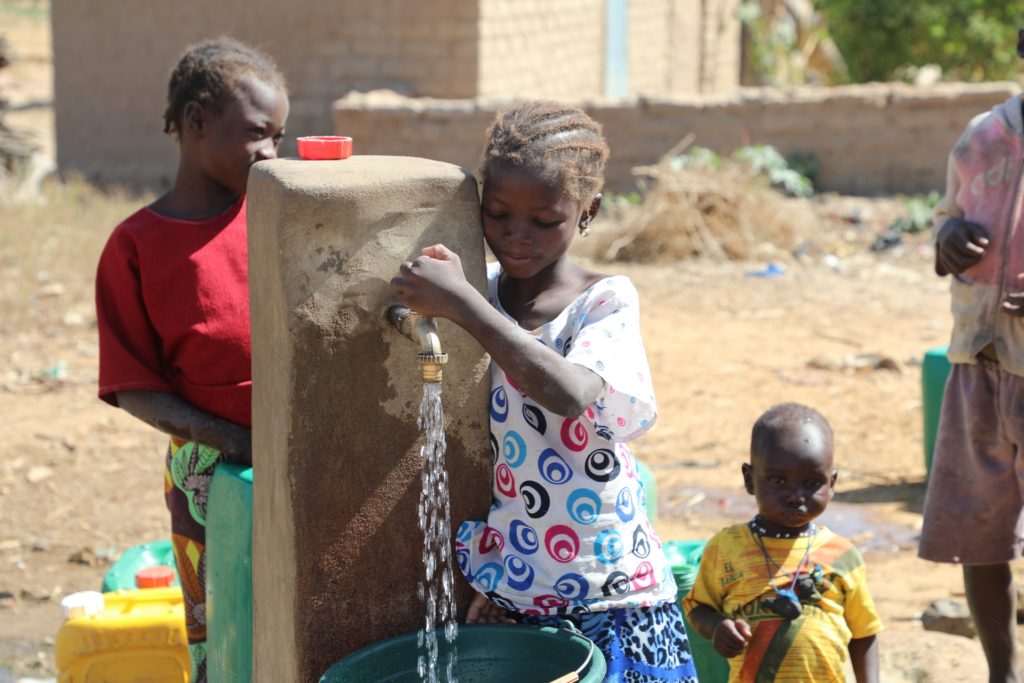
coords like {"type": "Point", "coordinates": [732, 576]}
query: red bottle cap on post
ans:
{"type": "Point", "coordinates": [158, 576]}
{"type": "Point", "coordinates": [325, 147]}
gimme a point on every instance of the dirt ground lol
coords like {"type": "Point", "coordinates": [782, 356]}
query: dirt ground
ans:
{"type": "Point", "coordinates": [80, 481]}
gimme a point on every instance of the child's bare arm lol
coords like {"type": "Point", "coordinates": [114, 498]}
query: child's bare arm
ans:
{"type": "Point", "coordinates": [549, 379]}
{"type": "Point", "coordinates": [435, 285]}
{"type": "Point", "coordinates": [959, 244]}
{"type": "Point", "coordinates": [864, 658]}
{"type": "Point", "coordinates": [176, 417]}
{"type": "Point", "coordinates": [729, 636]}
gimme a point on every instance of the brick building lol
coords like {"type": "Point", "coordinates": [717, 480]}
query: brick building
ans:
{"type": "Point", "coordinates": [112, 59]}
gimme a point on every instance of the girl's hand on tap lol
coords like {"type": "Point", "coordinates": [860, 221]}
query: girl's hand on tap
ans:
{"type": "Point", "coordinates": [433, 284]}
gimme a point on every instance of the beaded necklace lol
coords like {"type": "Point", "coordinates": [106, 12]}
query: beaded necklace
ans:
{"type": "Point", "coordinates": [757, 526]}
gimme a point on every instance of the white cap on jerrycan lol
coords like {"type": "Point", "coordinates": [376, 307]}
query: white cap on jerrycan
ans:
{"type": "Point", "coordinates": [82, 604]}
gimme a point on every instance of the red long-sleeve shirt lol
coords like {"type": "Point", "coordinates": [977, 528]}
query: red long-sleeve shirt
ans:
{"type": "Point", "coordinates": [172, 310]}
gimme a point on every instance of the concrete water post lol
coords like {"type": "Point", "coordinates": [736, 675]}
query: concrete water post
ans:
{"type": "Point", "coordinates": [336, 547]}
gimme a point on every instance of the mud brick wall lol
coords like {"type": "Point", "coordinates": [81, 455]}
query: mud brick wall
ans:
{"type": "Point", "coordinates": [540, 48]}
{"type": "Point", "coordinates": [536, 48]}
{"type": "Point", "coordinates": [112, 59]}
{"type": "Point", "coordinates": [871, 139]}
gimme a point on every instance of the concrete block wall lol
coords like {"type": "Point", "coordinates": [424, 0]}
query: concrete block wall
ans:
{"type": "Point", "coordinates": [539, 48]}
{"type": "Point", "coordinates": [650, 47]}
{"type": "Point", "coordinates": [721, 47]}
{"type": "Point", "coordinates": [685, 19]}
{"type": "Point", "coordinates": [871, 139]}
{"type": "Point", "coordinates": [536, 48]}
{"type": "Point", "coordinates": [683, 47]}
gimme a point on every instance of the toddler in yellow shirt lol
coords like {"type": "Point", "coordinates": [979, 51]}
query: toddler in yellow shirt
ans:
{"type": "Point", "coordinates": [783, 598]}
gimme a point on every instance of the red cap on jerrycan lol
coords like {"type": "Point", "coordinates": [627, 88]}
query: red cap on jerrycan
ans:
{"type": "Point", "coordinates": [158, 576]}
{"type": "Point", "coordinates": [325, 147]}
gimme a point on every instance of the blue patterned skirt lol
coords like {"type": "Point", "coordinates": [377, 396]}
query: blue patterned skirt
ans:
{"type": "Point", "coordinates": [641, 645]}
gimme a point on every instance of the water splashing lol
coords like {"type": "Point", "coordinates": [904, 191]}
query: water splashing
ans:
{"type": "Point", "coordinates": [438, 587]}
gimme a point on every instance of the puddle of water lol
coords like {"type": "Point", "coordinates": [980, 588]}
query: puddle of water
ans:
{"type": "Point", "coordinates": [7, 676]}
{"type": "Point", "coordinates": [865, 527]}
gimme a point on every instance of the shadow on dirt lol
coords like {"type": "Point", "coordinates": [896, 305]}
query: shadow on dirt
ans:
{"type": "Point", "coordinates": [866, 527]}
{"type": "Point", "coordinates": [910, 494]}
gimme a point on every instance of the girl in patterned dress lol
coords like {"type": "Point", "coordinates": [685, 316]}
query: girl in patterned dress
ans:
{"type": "Point", "coordinates": [567, 536]}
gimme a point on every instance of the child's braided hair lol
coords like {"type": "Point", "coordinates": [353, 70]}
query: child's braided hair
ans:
{"type": "Point", "coordinates": [211, 70]}
{"type": "Point", "coordinates": [561, 143]}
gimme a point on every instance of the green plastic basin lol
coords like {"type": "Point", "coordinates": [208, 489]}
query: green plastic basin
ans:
{"type": "Point", "coordinates": [487, 653]}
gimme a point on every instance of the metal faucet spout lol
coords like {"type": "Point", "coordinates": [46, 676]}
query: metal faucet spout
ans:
{"type": "Point", "coordinates": [422, 330]}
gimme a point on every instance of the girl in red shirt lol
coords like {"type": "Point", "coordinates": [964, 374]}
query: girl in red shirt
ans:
{"type": "Point", "coordinates": [172, 293]}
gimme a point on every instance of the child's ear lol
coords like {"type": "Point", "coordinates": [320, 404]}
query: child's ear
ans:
{"type": "Point", "coordinates": [748, 477]}
{"type": "Point", "coordinates": [835, 477]}
{"type": "Point", "coordinates": [591, 212]}
{"type": "Point", "coordinates": [588, 215]}
{"type": "Point", "coordinates": [193, 117]}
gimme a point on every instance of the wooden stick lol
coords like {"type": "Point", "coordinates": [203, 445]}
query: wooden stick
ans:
{"type": "Point", "coordinates": [567, 678]}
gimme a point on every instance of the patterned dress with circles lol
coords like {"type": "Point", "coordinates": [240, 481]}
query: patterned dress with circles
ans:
{"type": "Point", "coordinates": [568, 532]}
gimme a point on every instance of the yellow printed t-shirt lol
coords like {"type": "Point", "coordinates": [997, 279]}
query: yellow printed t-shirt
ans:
{"type": "Point", "coordinates": [733, 580]}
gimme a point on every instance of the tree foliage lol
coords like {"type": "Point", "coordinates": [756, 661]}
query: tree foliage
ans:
{"type": "Point", "coordinates": [970, 39]}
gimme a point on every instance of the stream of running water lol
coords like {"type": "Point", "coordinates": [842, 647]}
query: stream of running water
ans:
{"type": "Point", "coordinates": [437, 589]}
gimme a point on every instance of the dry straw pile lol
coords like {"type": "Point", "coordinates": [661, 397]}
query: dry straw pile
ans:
{"type": "Point", "coordinates": [723, 214]}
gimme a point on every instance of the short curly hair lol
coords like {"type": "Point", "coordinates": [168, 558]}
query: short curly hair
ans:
{"type": "Point", "coordinates": [782, 418]}
{"type": "Point", "coordinates": [209, 72]}
{"type": "Point", "coordinates": [561, 143]}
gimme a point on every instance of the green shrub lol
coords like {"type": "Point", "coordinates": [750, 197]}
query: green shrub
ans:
{"type": "Point", "coordinates": [919, 213]}
{"type": "Point", "coordinates": [970, 39]}
{"type": "Point", "coordinates": [762, 161]}
{"type": "Point", "coordinates": [696, 157]}
{"type": "Point", "coordinates": [765, 160]}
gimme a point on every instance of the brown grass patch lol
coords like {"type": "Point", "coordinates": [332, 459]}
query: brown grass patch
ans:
{"type": "Point", "coordinates": [49, 249]}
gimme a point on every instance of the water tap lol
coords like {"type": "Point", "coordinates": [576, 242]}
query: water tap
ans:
{"type": "Point", "coordinates": [423, 330]}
